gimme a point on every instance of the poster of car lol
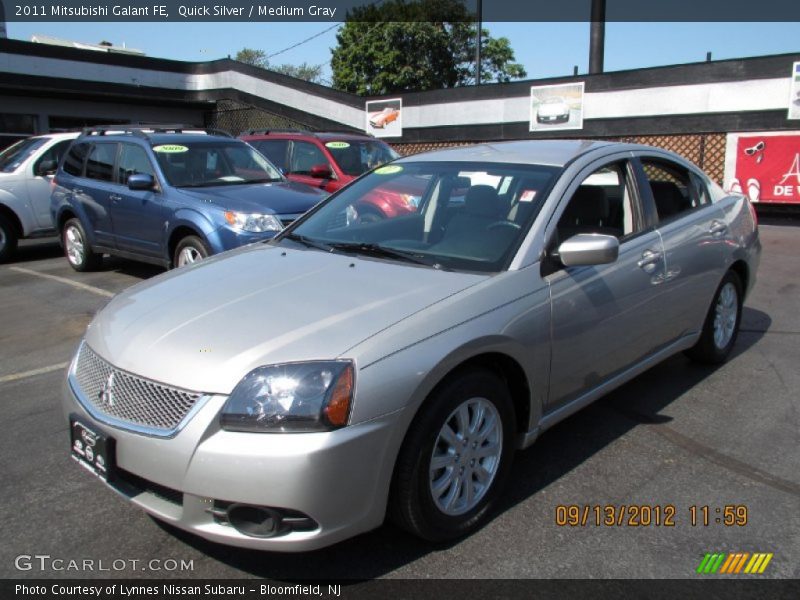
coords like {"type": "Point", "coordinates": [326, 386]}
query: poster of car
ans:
{"type": "Point", "coordinates": [385, 118]}
{"type": "Point", "coordinates": [764, 166]}
{"type": "Point", "coordinates": [555, 107]}
{"type": "Point", "coordinates": [794, 97]}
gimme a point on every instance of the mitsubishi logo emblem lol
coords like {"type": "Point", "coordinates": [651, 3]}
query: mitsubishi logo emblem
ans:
{"type": "Point", "coordinates": [106, 394]}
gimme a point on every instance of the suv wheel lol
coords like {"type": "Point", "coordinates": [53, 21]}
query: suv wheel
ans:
{"type": "Point", "coordinates": [79, 253]}
{"type": "Point", "coordinates": [455, 459]}
{"type": "Point", "coordinates": [190, 250]}
{"type": "Point", "coordinates": [8, 238]}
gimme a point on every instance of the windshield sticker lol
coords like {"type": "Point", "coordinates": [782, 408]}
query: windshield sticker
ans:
{"type": "Point", "coordinates": [527, 196]}
{"type": "Point", "coordinates": [337, 145]}
{"type": "Point", "coordinates": [389, 170]}
{"type": "Point", "coordinates": [170, 148]}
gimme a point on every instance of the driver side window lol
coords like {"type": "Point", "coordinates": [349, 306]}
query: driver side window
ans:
{"type": "Point", "coordinates": [601, 204]}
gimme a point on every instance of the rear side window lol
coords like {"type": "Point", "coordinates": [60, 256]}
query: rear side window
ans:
{"type": "Point", "coordinates": [673, 187]}
{"type": "Point", "coordinates": [133, 160]}
{"type": "Point", "coordinates": [76, 156]}
{"type": "Point", "coordinates": [275, 151]}
{"type": "Point", "coordinates": [100, 164]}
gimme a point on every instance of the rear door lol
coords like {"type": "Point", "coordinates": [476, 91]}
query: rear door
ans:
{"type": "Point", "coordinates": [693, 231]}
{"type": "Point", "coordinates": [39, 185]}
{"type": "Point", "coordinates": [605, 318]}
{"type": "Point", "coordinates": [93, 192]}
{"type": "Point", "coordinates": [138, 216]}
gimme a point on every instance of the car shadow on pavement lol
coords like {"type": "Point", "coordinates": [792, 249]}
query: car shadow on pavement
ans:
{"type": "Point", "coordinates": [559, 451]}
{"type": "Point", "coordinates": [34, 250]}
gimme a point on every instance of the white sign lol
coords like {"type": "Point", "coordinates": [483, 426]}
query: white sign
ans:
{"type": "Point", "coordinates": [385, 118]}
{"type": "Point", "coordinates": [794, 96]}
{"type": "Point", "coordinates": [555, 107]}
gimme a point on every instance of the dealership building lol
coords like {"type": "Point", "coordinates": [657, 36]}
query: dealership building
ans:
{"type": "Point", "coordinates": [698, 110]}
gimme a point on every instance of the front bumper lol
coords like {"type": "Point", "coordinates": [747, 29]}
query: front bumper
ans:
{"type": "Point", "coordinates": [335, 478]}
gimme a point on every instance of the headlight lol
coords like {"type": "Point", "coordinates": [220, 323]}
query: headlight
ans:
{"type": "Point", "coordinates": [292, 397]}
{"type": "Point", "coordinates": [254, 223]}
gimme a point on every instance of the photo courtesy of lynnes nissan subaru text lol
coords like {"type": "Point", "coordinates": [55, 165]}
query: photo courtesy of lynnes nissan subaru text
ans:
{"type": "Point", "coordinates": [347, 371]}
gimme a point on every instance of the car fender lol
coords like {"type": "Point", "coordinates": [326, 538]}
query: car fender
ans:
{"type": "Point", "coordinates": [197, 221]}
{"type": "Point", "coordinates": [20, 208]}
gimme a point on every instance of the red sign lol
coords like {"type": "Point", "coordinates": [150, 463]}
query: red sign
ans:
{"type": "Point", "coordinates": [768, 168]}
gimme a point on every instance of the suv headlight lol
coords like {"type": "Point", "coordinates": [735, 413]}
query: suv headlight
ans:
{"type": "Point", "coordinates": [254, 222]}
{"type": "Point", "coordinates": [291, 397]}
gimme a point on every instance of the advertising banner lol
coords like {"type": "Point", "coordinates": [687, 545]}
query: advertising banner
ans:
{"type": "Point", "coordinates": [764, 166]}
{"type": "Point", "coordinates": [555, 107]}
{"type": "Point", "coordinates": [385, 118]}
{"type": "Point", "coordinates": [794, 97]}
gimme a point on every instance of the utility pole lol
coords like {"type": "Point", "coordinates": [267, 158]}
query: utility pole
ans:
{"type": "Point", "coordinates": [597, 36]}
{"type": "Point", "coordinates": [478, 45]}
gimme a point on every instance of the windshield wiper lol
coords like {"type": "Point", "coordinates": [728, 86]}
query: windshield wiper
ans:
{"type": "Point", "coordinates": [307, 241]}
{"type": "Point", "coordinates": [372, 249]}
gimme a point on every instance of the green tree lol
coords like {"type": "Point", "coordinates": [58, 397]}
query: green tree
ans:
{"type": "Point", "coordinates": [258, 58]}
{"type": "Point", "coordinates": [249, 56]}
{"type": "Point", "coordinates": [429, 45]}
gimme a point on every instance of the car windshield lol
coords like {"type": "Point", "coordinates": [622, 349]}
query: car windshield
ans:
{"type": "Point", "coordinates": [13, 156]}
{"type": "Point", "coordinates": [213, 163]}
{"type": "Point", "coordinates": [447, 215]}
{"type": "Point", "coordinates": [355, 157]}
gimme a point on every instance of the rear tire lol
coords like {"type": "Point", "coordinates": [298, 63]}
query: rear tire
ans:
{"type": "Point", "coordinates": [455, 459]}
{"type": "Point", "coordinates": [721, 326]}
{"type": "Point", "coordinates": [8, 238]}
{"type": "Point", "coordinates": [79, 253]}
{"type": "Point", "coordinates": [190, 250]}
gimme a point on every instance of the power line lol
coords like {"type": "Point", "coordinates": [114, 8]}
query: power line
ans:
{"type": "Point", "coordinates": [308, 39]}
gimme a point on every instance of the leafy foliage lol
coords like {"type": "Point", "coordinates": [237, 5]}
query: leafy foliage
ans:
{"type": "Point", "coordinates": [428, 44]}
{"type": "Point", "coordinates": [258, 58]}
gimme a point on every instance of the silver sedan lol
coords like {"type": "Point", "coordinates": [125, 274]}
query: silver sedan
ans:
{"type": "Point", "coordinates": [294, 393]}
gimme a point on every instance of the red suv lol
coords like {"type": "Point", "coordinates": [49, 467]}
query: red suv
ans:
{"type": "Point", "coordinates": [329, 161]}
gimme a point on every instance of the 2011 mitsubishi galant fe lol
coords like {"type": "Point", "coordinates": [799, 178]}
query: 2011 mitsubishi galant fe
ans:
{"type": "Point", "coordinates": [295, 392]}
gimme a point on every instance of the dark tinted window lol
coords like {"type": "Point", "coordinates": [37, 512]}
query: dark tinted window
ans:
{"type": "Point", "coordinates": [100, 165]}
{"type": "Point", "coordinates": [76, 156]}
{"type": "Point", "coordinates": [274, 150]}
{"type": "Point", "coordinates": [355, 157]}
{"type": "Point", "coordinates": [132, 160]}
{"type": "Point", "coordinates": [53, 153]}
{"type": "Point", "coordinates": [672, 188]}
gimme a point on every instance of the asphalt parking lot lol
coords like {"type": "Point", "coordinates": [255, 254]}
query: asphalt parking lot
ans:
{"type": "Point", "coordinates": [680, 435]}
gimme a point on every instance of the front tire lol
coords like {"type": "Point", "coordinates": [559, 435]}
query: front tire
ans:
{"type": "Point", "coordinates": [190, 250]}
{"type": "Point", "coordinates": [79, 253]}
{"type": "Point", "coordinates": [8, 238]}
{"type": "Point", "coordinates": [721, 326]}
{"type": "Point", "coordinates": [456, 458]}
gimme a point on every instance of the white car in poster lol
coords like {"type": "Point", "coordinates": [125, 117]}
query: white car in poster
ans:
{"type": "Point", "coordinates": [553, 110]}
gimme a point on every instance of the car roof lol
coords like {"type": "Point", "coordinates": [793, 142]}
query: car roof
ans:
{"type": "Point", "coordinates": [324, 136]}
{"type": "Point", "coordinates": [66, 135]}
{"type": "Point", "coordinates": [161, 138]}
{"type": "Point", "coordinates": [555, 153]}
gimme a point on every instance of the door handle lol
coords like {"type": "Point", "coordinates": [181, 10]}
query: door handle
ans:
{"type": "Point", "coordinates": [115, 197]}
{"type": "Point", "coordinates": [649, 261]}
{"type": "Point", "coordinates": [717, 228]}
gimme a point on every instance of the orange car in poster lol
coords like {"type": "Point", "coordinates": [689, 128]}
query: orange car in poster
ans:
{"type": "Point", "coordinates": [383, 118]}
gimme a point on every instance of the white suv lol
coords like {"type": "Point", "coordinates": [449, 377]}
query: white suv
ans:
{"type": "Point", "coordinates": [26, 169]}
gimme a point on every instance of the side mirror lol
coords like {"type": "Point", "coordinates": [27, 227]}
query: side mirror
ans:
{"type": "Point", "coordinates": [141, 181]}
{"type": "Point", "coordinates": [46, 167]}
{"type": "Point", "coordinates": [321, 172]}
{"type": "Point", "coordinates": [587, 249]}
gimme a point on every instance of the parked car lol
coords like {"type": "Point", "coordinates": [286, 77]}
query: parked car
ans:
{"type": "Point", "coordinates": [344, 371]}
{"type": "Point", "coordinates": [26, 169]}
{"type": "Point", "coordinates": [553, 110]}
{"type": "Point", "coordinates": [384, 117]}
{"type": "Point", "coordinates": [331, 160]}
{"type": "Point", "coordinates": [168, 196]}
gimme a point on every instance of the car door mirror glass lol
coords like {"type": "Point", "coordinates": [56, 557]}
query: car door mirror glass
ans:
{"type": "Point", "coordinates": [46, 167]}
{"type": "Point", "coordinates": [320, 172]}
{"type": "Point", "coordinates": [141, 181]}
{"type": "Point", "coordinates": [586, 249]}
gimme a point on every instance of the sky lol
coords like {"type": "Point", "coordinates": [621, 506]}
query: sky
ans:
{"type": "Point", "coordinates": [544, 49]}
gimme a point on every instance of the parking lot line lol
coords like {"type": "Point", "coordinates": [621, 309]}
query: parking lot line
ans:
{"type": "Point", "coordinates": [77, 284]}
{"type": "Point", "coordinates": [25, 374]}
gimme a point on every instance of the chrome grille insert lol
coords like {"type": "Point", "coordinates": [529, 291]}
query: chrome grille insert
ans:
{"type": "Point", "coordinates": [128, 401]}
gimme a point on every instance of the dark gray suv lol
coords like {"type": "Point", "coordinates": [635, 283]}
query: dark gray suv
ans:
{"type": "Point", "coordinates": [168, 195]}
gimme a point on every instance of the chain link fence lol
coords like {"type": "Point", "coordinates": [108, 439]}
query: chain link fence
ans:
{"type": "Point", "coordinates": [238, 117]}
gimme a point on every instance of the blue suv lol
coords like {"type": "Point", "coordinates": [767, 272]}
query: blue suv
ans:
{"type": "Point", "coordinates": [167, 195]}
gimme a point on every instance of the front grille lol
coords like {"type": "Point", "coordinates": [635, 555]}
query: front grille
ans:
{"type": "Point", "coordinates": [130, 399]}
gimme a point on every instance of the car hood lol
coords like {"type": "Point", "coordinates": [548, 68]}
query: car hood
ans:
{"type": "Point", "coordinates": [285, 197]}
{"type": "Point", "coordinates": [204, 327]}
{"type": "Point", "coordinates": [550, 110]}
